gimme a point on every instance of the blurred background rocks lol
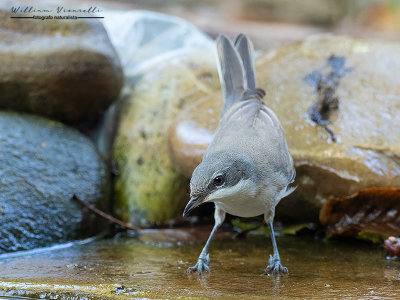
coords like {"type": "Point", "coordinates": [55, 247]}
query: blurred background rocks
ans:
{"type": "Point", "coordinates": [273, 22]}
{"type": "Point", "coordinates": [59, 69]}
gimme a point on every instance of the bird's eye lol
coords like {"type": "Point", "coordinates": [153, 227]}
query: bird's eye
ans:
{"type": "Point", "coordinates": [219, 180]}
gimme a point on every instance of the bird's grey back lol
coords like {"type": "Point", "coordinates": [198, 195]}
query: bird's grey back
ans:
{"type": "Point", "coordinates": [250, 128]}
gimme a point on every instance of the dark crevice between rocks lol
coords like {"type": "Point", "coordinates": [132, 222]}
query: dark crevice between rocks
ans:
{"type": "Point", "coordinates": [325, 83]}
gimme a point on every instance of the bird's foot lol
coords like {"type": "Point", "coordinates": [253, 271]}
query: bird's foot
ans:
{"type": "Point", "coordinates": [275, 267]}
{"type": "Point", "coordinates": [201, 265]}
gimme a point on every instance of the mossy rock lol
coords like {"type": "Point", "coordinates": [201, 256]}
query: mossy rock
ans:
{"type": "Point", "coordinates": [149, 190]}
{"type": "Point", "coordinates": [42, 165]}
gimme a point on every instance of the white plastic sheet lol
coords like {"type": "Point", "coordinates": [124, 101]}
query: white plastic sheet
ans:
{"type": "Point", "coordinates": [144, 38]}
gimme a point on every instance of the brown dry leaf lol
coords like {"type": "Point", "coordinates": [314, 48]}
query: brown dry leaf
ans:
{"type": "Point", "coordinates": [375, 210]}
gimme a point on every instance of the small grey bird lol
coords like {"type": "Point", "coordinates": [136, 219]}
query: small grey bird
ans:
{"type": "Point", "coordinates": [247, 167]}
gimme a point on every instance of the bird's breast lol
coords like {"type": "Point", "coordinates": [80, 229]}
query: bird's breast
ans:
{"type": "Point", "coordinates": [242, 200]}
{"type": "Point", "coordinates": [244, 209]}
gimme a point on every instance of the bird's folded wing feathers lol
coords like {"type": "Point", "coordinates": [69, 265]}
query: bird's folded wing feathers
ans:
{"type": "Point", "coordinates": [248, 112]}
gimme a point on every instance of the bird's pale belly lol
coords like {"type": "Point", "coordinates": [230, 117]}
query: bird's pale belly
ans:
{"type": "Point", "coordinates": [243, 207]}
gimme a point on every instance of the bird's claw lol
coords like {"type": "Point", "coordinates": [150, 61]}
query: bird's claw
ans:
{"type": "Point", "coordinates": [275, 267]}
{"type": "Point", "coordinates": [201, 265]}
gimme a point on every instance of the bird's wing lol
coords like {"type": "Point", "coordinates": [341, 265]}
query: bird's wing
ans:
{"type": "Point", "coordinates": [249, 112]}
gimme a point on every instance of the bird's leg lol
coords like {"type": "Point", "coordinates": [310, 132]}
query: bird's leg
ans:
{"type": "Point", "coordinates": [274, 265]}
{"type": "Point", "coordinates": [204, 258]}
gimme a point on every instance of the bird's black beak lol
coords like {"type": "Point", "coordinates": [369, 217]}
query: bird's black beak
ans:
{"type": "Point", "coordinates": [194, 202]}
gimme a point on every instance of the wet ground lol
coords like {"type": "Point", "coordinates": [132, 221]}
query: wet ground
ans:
{"type": "Point", "coordinates": [155, 268]}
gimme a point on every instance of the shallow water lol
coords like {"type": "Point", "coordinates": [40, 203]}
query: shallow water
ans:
{"type": "Point", "coordinates": [156, 268]}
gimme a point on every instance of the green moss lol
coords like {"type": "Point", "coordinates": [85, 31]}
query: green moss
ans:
{"type": "Point", "coordinates": [254, 226]}
{"type": "Point", "coordinates": [374, 237]}
{"type": "Point", "coordinates": [294, 229]}
{"type": "Point", "coordinates": [149, 190]}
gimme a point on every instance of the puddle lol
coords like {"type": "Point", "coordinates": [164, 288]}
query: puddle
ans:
{"type": "Point", "coordinates": [126, 268]}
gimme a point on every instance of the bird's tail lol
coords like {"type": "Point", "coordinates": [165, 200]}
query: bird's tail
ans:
{"type": "Point", "coordinates": [236, 70]}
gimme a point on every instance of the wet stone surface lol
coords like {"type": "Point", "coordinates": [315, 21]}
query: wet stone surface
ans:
{"type": "Point", "coordinates": [43, 163]}
{"type": "Point", "coordinates": [126, 268]}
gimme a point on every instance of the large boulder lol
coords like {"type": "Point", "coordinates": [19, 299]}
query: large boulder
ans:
{"type": "Point", "coordinates": [337, 99]}
{"type": "Point", "coordinates": [148, 188]}
{"type": "Point", "coordinates": [62, 69]}
{"type": "Point", "coordinates": [42, 165]}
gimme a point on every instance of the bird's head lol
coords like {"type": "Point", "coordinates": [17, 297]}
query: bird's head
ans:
{"type": "Point", "coordinates": [217, 178]}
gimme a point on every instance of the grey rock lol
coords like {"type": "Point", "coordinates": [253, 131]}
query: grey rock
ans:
{"type": "Point", "coordinates": [61, 69]}
{"type": "Point", "coordinates": [42, 165]}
